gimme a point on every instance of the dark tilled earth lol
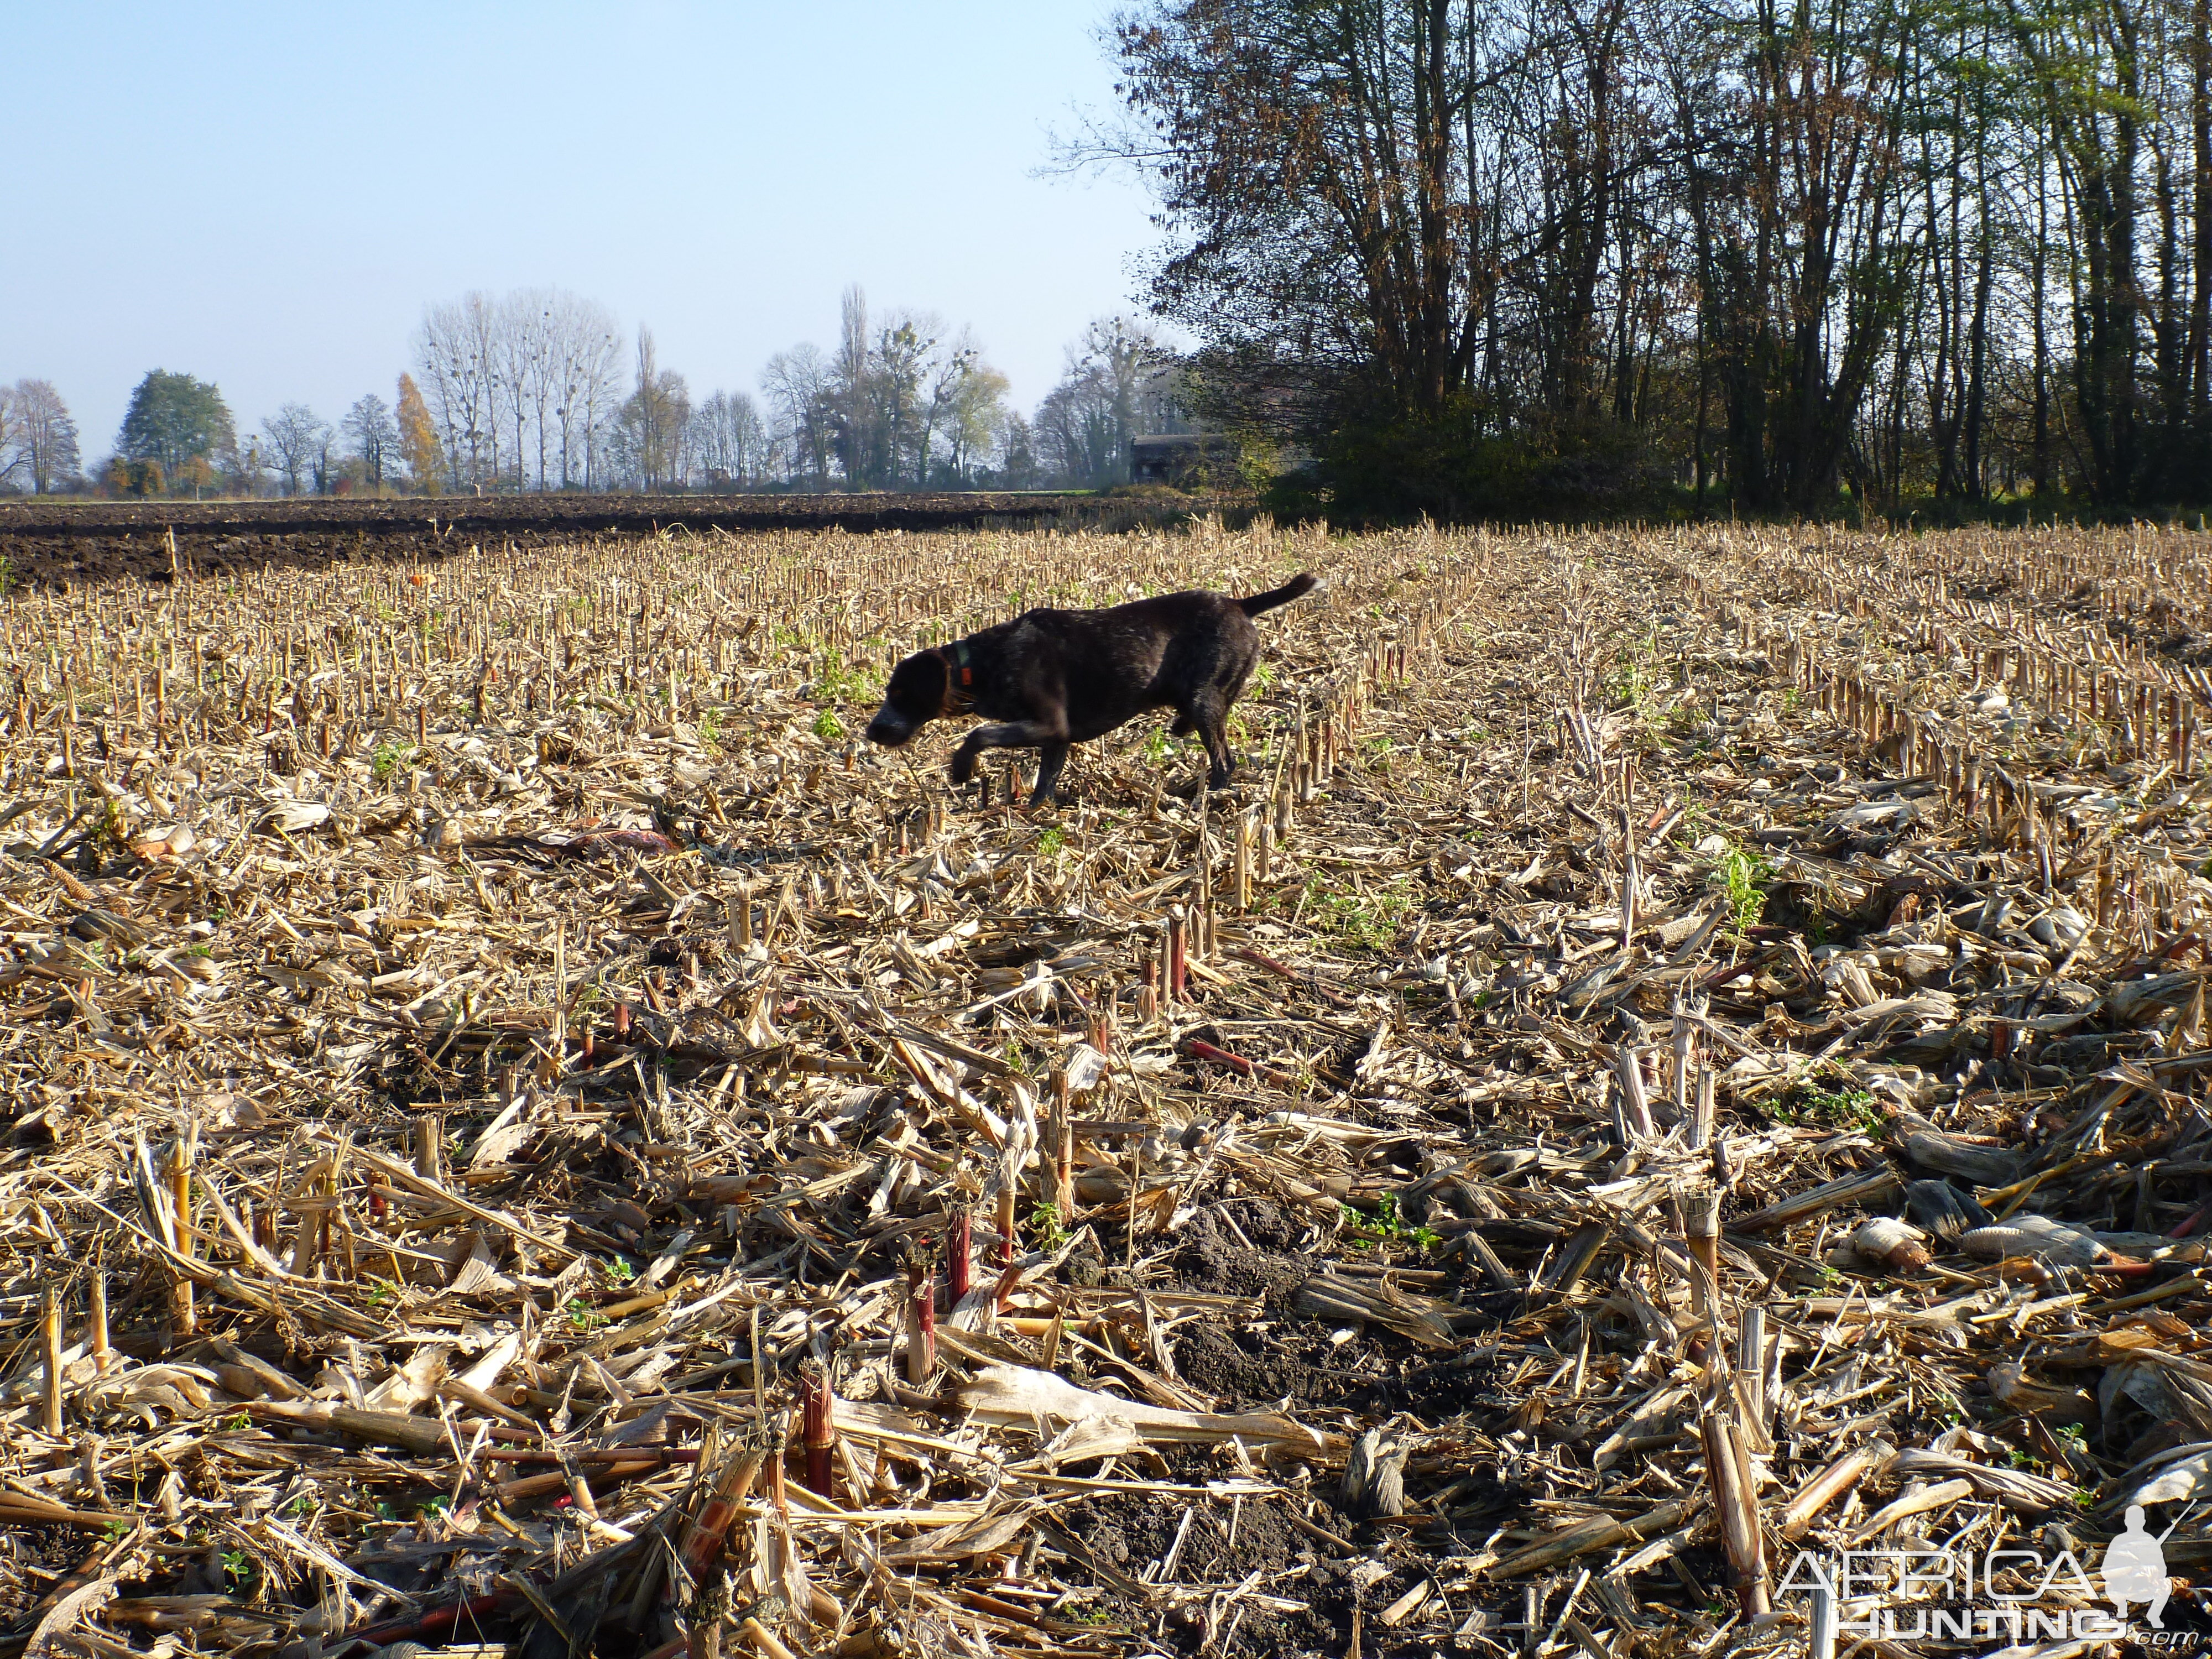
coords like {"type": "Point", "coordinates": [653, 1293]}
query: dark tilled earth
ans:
{"type": "Point", "coordinates": [57, 543]}
{"type": "Point", "coordinates": [1132, 1531]}
{"type": "Point", "coordinates": [1282, 1360]}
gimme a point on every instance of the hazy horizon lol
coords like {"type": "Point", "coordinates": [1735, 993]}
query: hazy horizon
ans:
{"type": "Point", "coordinates": [270, 202]}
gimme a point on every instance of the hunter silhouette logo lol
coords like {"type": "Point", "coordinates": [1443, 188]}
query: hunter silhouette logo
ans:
{"type": "Point", "coordinates": [2134, 1570]}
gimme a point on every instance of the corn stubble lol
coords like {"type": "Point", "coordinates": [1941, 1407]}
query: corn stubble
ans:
{"type": "Point", "coordinates": [522, 1131]}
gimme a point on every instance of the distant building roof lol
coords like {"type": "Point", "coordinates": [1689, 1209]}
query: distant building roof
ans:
{"type": "Point", "coordinates": [1165, 457]}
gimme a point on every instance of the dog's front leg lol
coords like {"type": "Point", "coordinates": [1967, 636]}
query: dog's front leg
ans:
{"type": "Point", "coordinates": [1050, 759]}
{"type": "Point", "coordinates": [1004, 735]}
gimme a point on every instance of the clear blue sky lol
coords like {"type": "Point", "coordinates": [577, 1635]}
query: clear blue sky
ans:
{"type": "Point", "coordinates": [266, 195]}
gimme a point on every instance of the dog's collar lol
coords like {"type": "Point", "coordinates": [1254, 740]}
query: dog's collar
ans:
{"type": "Point", "coordinates": [959, 679]}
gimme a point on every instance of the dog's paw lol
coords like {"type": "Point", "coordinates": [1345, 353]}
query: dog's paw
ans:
{"type": "Point", "coordinates": [963, 767]}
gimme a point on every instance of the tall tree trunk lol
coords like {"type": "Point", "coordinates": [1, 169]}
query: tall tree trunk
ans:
{"type": "Point", "coordinates": [2040, 255]}
{"type": "Point", "coordinates": [1704, 399]}
{"type": "Point", "coordinates": [1942, 279]}
{"type": "Point", "coordinates": [1974, 415]}
{"type": "Point", "coordinates": [2126, 292]}
{"type": "Point", "coordinates": [2200, 321]}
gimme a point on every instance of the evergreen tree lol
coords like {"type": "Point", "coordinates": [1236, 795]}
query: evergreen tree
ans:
{"type": "Point", "coordinates": [174, 420]}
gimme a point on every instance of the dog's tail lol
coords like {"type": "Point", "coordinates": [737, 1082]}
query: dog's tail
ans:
{"type": "Point", "coordinates": [1297, 587]}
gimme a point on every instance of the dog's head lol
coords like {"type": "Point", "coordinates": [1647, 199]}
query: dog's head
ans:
{"type": "Point", "coordinates": [916, 694]}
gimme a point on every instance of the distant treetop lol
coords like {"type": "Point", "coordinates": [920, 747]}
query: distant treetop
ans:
{"type": "Point", "coordinates": [175, 420]}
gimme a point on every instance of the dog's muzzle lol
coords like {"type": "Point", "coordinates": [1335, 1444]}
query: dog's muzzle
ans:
{"type": "Point", "coordinates": [890, 728]}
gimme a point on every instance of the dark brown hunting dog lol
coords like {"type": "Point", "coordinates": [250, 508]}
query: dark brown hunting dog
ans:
{"type": "Point", "coordinates": [1050, 678]}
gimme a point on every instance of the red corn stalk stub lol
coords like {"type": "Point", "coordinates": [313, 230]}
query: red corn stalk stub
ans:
{"type": "Point", "coordinates": [702, 1547]}
{"type": "Point", "coordinates": [1262, 959]}
{"type": "Point", "coordinates": [778, 1443]}
{"type": "Point", "coordinates": [710, 1530]}
{"type": "Point", "coordinates": [1206, 1051]}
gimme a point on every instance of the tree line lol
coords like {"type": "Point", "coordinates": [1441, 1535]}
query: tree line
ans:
{"type": "Point", "coordinates": [1471, 258]}
{"type": "Point", "coordinates": [540, 390]}
{"type": "Point", "coordinates": [1770, 253]}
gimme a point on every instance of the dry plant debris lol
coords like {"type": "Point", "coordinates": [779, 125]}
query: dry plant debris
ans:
{"type": "Point", "coordinates": [524, 1135]}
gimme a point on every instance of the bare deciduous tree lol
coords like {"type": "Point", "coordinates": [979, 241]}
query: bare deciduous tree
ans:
{"type": "Point", "coordinates": [375, 438]}
{"type": "Point", "coordinates": [1018, 458]}
{"type": "Point", "coordinates": [729, 443]}
{"type": "Point", "coordinates": [653, 428]}
{"type": "Point", "coordinates": [849, 378]}
{"type": "Point", "coordinates": [585, 353]}
{"type": "Point", "coordinates": [524, 382]}
{"type": "Point", "coordinates": [894, 404]}
{"type": "Point", "coordinates": [523, 389]}
{"type": "Point", "coordinates": [45, 434]}
{"type": "Point", "coordinates": [298, 443]}
{"type": "Point", "coordinates": [456, 351]}
{"type": "Point", "coordinates": [797, 384]}
{"type": "Point", "coordinates": [1115, 386]}
{"type": "Point", "coordinates": [901, 404]}
{"type": "Point", "coordinates": [11, 454]}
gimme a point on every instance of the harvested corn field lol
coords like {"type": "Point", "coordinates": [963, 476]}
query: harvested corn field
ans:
{"type": "Point", "coordinates": [1678, 1049]}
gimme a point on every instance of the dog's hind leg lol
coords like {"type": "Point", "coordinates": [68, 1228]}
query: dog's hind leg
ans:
{"type": "Point", "coordinates": [1208, 716]}
{"type": "Point", "coordinates": [1050, 759]}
